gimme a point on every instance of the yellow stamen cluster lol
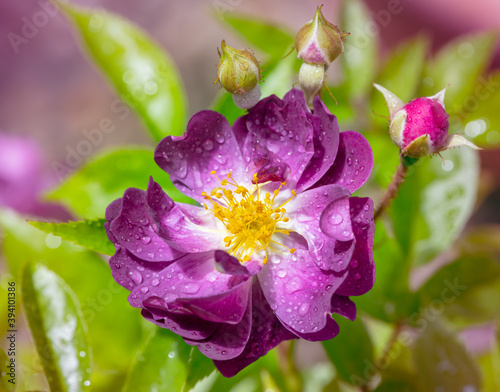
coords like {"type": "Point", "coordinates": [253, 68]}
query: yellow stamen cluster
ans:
{"type": "Point", "coordinates": [251, 219]}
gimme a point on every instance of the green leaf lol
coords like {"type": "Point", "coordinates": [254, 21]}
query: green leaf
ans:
{"type": "Point", "coordinates": [481, 112]}
{"type": "Point", "coordinates": [104, 303]}
{"type": "Point", "coordinates": [434, 203]}
{"type": "Point", "coordinates": [269, 38]}
{"type": "Point", "coordinates": [402, 75]}
{"type": "Point", "coordinates": [56, 323]}
{"type": "Point", "coordinates": [280, 79]}
{"type": "Point", "coordinates": [351, 352]}
{"type": "Point", "coordinates": [103, 179]}
{"type": "Point", "coordinates": [138, 68]}
{"type": "Point", "coordinates": [162, 365]}
{"type": "Point", "coordinates": [465, 291]}
{"type": "Point", "coordinates": [359, 60]}
{"type": "Point", "coordinates": [88, 233]}
{"type": "Point", "coordinates": [458, 66]}
{"type": "Point", "coordinates": [442, 362]}
{"type": "Point", "coordinates": [200, 368]}
{"type": "Point", "coordinates": [390, 298]}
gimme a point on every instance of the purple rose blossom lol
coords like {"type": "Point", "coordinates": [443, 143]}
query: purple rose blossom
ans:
{"type": "Point", "coordinates": [278, 244]}
{"type": "Point", "coordinates": [24, 176]}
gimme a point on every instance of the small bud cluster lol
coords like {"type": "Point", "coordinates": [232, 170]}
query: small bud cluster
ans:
{"type": "Point", "coordinates": [318, 44]}
{"type": "Point", "coordinates": [420, 127]}
{"type": "Point", "coordinates": [239, 74]}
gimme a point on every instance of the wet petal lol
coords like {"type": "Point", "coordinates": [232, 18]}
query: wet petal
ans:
{"type": "Point", "coordinates": [353, 163]}
{"type": "Point", "coordinates": [188, 229]}
{"type": "Point", "coordinates": [267, 165]}
{"type": "Point", "coordinates": [284, 128]}
{"type": "Point", "coordinates": [361, 271]}
{"type": "Point", "coordinates": [228, 341]}
{"type": "Point", "coordinates": [344, 306]}
{"type": "Point", "coordinates": [330, 330]}
{"type": "Point", "coordinates": [266, 333]}
{"type": "Point", "coordinates": [130, 271]}
{"type": "Point", "coordinates": [228, 264]}
{"type": "Point", "coordinates": [135, 230]}
{"type": "Point", "coordinates": [298, 291]}
{"type": "Point", "coordinates": [187, 326]}
{"type": "Point", "coordinates": [193, 285]}
{"type": "Point", "coordinates": [326, 143]}
{"type": "Point", "coordinates": [306, 211]}
{"type": "Point", "coordinates": [208, 144]}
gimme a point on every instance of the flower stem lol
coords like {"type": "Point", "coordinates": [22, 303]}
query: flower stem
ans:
{"type": "Point", "coordinates": [393, 188]}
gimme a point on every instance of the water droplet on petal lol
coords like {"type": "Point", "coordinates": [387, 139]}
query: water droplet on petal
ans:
{"type": "Point", "coordinates": [208, 145]}
{"type": "Point", "coordinates": [281, 273]}
{"type": "Point", "coordinates": [304, 309]}
{"type": "Point", "coordinates": [354, 263]}
{"type": "Point", "coordinates": [146, 240]}
{"type": "Point", "coordinates": [336, 219]}
{"type": "Point", "coordinates": [136, 277]}
{"type": "Point", "coordinates": [357, 276]}
{"type": "Point", "coordinates": [171, 354]}
{"type": "Point", "coordinates": [155, 282]}
{"type": "Point", "coordinates": [144, 290]}
{"type": "Point", "coordinates": [191, 288]}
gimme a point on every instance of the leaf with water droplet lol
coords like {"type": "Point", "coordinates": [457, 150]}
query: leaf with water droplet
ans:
{"type": "Point", "coordinates": [433, 204]}
{"type": "Point", "coordinates": [56, 324]}
{"type": "Point", "coordinates": [139, 69]}
{"type": "Point", "coordinates": [87, 233]}
{"type": "Point", "coordinates": [164, 364]}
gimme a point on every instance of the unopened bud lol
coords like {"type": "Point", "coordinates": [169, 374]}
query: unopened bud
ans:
{"type": "Point", "coordinates": [420, 127]}
{"type": "Point", "coordinates": [238, 70]}
{"type": "Point", "coordinates": [319, 41]}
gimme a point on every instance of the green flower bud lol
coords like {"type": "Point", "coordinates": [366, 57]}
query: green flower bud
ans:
{"type": "Point", "coordinates": [238, 70]}
{"type": "Point", "coordinates": [319, 41]}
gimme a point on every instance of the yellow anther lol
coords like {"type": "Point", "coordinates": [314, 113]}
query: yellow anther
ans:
{"type": "Point", "coordinates": [292, 250]}
{"type": "Point", "coordinates": [250, 220]}
{"type": "Point", "coordinates": [213, 172]}
{"type": "Point", "coordinates": [294, 193]}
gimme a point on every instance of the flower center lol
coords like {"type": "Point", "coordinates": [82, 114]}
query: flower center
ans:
{"type": "Point", "coordinates": [248, 215]}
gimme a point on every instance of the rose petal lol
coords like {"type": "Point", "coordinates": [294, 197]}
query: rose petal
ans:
{"type": "Point", "coordinates": [326, 144]}
{"type": "Point", "coordinates": [189, 229]}
{"type": "Point", "coordinates": [353, 163]}
{"type": "Point", "coordinates": [344, 306]}
{"type": "Point", "coordinates": [228, 341]}
{"type": "Point", "coordinates": [305, 212]}
{"type": "Point", "coordinates": [298, 290]}
{"type": "Point", "coordinates": [130, 271]}
{"type": "Point", "coordinates": [208, 144]}
{"type": "Point", "coordinates": [267, 332]}
{"type": "Point", "coordinates": [284, 128]}
{"type": "Point", "coordinates": [267, 165]}
{"type": "Point", "coordinates": [193, 285]}
{"type": "Point", "coordinates": [361, 271]}
{"type": "Point", "coordinates": [330, 330]}
{"type": "Point", "coordinates": [227, 264]}
{"type": "Point", "coordinates": [133, 229]}
{"type": "Point", "coordinates": [187, 326]}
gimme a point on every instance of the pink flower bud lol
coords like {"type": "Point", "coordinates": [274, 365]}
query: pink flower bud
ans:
{"type": "Point", "coordinates": [420, 127]}
{"type": "Point", "coordinates": [319, 41]}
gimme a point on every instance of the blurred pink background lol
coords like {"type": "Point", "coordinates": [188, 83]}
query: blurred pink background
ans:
{"type": "Point", "coordinates": [52, 93]}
